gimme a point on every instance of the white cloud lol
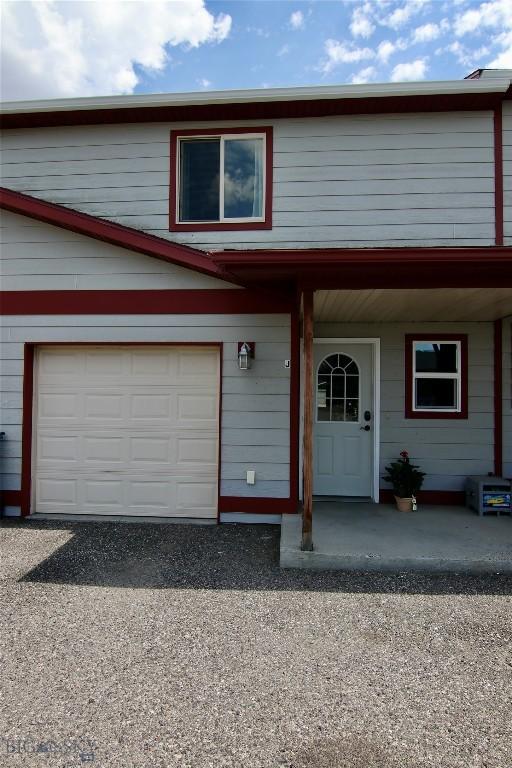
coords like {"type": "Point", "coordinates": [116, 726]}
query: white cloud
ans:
{"type": "Point", "coordinates": [284, 50]}
{"type": "Point", "coordinates": [385, 50]}
{"type": "Point", "coordinates": [204, 82]}
{"type": "Point", "coordinates": [58, 49]}
{"type": "Point", "coordinates": [426, 33]}
{"type": "Point", "coordinates": [297, 20]}
{"type": "Point", "coordinates": [504, 59]}
{"type": "Point", "coordinates": [410, 70]}
{"type": "Point", "coordinates": [496, 14]}
{"type": "Point", "coordinates": [343, 53]}
{"type": "Point", "coordinates": [400, 16]}
{"type": "Point", "coordinates": [365, 75]}
{"type": "Point", "coordinates": [361, 25]}
{"type": "Point", "coordinates": [467, 56]}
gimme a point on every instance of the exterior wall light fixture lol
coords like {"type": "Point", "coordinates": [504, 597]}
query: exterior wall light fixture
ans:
{"type": "Point", "coordinates": [245, 354]}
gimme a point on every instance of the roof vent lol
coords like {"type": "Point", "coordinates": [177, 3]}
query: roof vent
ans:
{"type": "Point", "coordinates": [480, 74]}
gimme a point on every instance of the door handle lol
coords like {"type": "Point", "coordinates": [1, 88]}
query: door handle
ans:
{"type": "Point", "coordinates": [365, 428]}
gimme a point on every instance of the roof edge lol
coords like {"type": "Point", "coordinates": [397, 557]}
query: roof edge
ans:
{"type": "Point", "coordinates": [496, 84]}
{"type": "Point", "coordinates": [112, 233]}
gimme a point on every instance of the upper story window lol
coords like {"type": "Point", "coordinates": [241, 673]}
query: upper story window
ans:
{"type": "Point", "coordinates": [221, 179]}
{"type": "Point", "coordinates": [436, 376]}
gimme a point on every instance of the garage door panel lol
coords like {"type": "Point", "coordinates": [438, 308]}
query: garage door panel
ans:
{"type": "Point", "coordinates": [103, 493]}
{"type": "Point", "coordinates": [53, 491]}
{"type": "Point", "coordinates": [122, 450]}
{"type": "Point", "coordinates": [195, 407]}
{"type": "Point", "coordinates": [58, 448]}
{"type": "Point", "coordinates": [102, 364]}
{"type": "Point", "coordinates": [181, 496]}
{"type": "Point", "coordinates": [58, 405]}
{"type": "Point", "coordinates": [197, 451]}
{"type": "Point", "coordinates": [151, 449]}
{"type": "Point", "coordinates": [127, 431]}
{"type": "Point", "coordinates": [195, 497]}
{"type": "Point", "coordinates": [59, 361]}
{"type": "Point", "coordinates": [190, 365]}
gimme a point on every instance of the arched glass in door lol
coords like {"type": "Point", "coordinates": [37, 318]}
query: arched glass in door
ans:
{"type": "Point", "coordinates": [337, 389]}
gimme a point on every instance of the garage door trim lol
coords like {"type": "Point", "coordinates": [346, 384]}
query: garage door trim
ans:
{"type": "Point", "coordinates": [29, 394]}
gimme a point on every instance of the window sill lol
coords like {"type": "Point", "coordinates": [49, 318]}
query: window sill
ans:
{"type": "Point", "coordinates": [219, 226]}
{"type": "Point", "coordinates": [436, 415]}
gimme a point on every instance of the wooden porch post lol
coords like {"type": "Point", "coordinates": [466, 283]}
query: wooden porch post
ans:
{"type": "Point", "coordinates": [307, 454]}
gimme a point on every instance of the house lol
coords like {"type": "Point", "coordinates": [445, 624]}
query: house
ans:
{"type": "Point", "coordinates": [355, 241]}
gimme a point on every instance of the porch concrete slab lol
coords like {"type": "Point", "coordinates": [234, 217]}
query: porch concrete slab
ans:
{"type": "Point", "coordinates": [377, 537]}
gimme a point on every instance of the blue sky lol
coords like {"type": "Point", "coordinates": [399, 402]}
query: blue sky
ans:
{"type": "Point", "coordinates": [59, 49]}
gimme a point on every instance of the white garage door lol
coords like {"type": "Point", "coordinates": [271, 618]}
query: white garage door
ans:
{"type": "Point", "coordinates": [127, 430]}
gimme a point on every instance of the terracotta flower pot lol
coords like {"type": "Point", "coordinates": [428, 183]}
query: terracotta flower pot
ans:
{"type": "Point", "coordinates": [404, 504]}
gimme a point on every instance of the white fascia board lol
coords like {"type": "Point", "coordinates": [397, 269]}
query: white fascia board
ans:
{"type": "Point", "coordinates": [498, 84]}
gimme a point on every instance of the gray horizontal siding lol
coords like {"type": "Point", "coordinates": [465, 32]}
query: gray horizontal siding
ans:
{"type": "Point", "coordinates": [37, 256]}
{"type": "Point", "coordinates": [448, 450]}
{"type": "Point", "coordinates": [507, 171]}
{"type": "Point", "coordinates": [354, 177]}
{"type": "Point", "coordinates": [256, 417]}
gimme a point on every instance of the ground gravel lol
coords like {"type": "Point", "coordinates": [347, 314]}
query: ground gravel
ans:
{"type": "Point", "coordinates": [168, 645]}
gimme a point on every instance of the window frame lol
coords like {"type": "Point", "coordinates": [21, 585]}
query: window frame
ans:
{"type": "Point", "coordinates": [411, 412]}
{"type": "Point", "coordinates": [317, 374]}
{"type": "Point", "coordinates": [264, 222]}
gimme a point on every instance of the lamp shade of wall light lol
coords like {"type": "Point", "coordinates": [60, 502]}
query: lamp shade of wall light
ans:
{"type": "Point", "coordinates": [245, 354]}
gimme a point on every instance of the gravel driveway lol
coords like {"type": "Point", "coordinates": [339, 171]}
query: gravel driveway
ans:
{"type": "Point", "coordinates": [169, 645]}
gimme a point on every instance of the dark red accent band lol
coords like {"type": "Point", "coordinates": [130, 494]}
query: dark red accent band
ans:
{"type": "Point", "coordinates": [498, 174]}
{"type": "Point", "coordinates": [10, 499]}
{"type": "Point", "coordinates": [257, 110]}
{"type": "Point", "coordinates": [180, 302]}
{"type": "Point", "coordinates": [410, 413]}
{"type": "Point", "coordinates": [26, 430]}
{"type": "Point", "coordinates": [263, 506]}
{"type": "Point", "coordinates": [108, 232]}
{"type": "Point", "coordinates": [498, 398]}
{"type": "Point", "coordinates": [345, 256]}
{"type": "Point", "coordinates": [450, 498]}
{"type": "Point", "coordinates": [362, 268]}
{"type": "Point", "coordinates": [215, 226]}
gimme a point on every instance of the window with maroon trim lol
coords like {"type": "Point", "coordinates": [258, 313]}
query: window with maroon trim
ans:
{"type": "Point", "coordinates": [436, 376]}
{"type": "Point", "coordinates": [221, 179]}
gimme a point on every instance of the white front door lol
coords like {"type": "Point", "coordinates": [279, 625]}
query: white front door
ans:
{"type": "Point", "coordinates": [343, 420]}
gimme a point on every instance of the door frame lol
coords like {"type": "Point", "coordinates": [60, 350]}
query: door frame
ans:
{"type": "Point", "coordinates": [375, 345]}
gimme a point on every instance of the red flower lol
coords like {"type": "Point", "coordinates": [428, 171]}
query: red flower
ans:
{"type": "Point", "coordinates": [404, 454]}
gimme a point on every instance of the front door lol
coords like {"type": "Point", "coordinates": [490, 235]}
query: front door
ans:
{"type": "Point", "coordinates": [343, 420]}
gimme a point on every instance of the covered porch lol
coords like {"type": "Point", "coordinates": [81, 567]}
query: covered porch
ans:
{"type": "Point", "coordinates": [399, 349]}
{"type": "Point", "coordinates": [363, 536]}
{"type": "Point", "coordinates": [391, 347]}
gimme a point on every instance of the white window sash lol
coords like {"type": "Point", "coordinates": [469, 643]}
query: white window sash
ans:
{"type": "Point", "coordinates": [457, 376]}
{"type": "Point", "coordinates": [223, 138]}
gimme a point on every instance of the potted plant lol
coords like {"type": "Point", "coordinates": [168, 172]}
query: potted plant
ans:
{"type": "Point", "coordinates": [406, 479]}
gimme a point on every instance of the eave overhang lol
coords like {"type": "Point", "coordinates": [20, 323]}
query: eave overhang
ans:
{"type": "Point", "coordinates": [260, 104]}
{"type": "Point", "coordinates": [360, 268]}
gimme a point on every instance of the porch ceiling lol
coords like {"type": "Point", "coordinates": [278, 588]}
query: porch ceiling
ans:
{"type": "Point", "coordinates": [394, 305]}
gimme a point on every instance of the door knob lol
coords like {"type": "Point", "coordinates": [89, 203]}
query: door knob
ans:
{"type": "Point", "coordinates": [365, 428]}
